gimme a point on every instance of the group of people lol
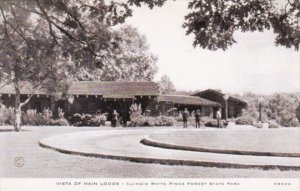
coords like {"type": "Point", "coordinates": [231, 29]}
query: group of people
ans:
{"type": "Point", "coordinates": [185, 116]}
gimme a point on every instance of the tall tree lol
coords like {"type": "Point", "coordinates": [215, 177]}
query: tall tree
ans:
{"type": "Point", "coordinates": [131, 60]}
{"type": "Point", "coordinates": [42, 41]}
{"type": "Point", "coordinates": [166, 86]}
{"type": "Point", "coordinates": [213, 22]}
{"type": "Point", "coordinates": [298, 112]}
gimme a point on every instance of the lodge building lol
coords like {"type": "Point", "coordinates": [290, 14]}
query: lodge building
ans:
{"type": "Point", "coordinates": [104, 97]}
{"type": "Point", "coordinates": [234, 105]}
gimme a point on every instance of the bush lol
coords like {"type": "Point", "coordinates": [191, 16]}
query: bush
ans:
{"type": "Point", "coordinates": [7, 115]}
{"type": "Point", "coordinates": [137, 119]}
{"type": "Point", "coordinates": [147, 121]}
{"type": "Point", "coordinates": [89, 119]}
{"type": "Point", "coordinates": [273, 124]}
{"type": "Point", "coordinates": [59, 122]}
{"type": "Point", "coordinates": [140, 120]}
{"type": "Point", "coordinates": [214, 123]}
{"type": "Point", "coordinates": [287, 119]}
{"type": "Point", "coordinates": [244, 120]}
{"type": "Point", "coordinates": [298, 113]}
{"type": "Point", "coordinates": [165, 121]}
{"type": "Point", "coordinates": [258, 125]}
{"type": "Point", "coordinates": [32, 117]}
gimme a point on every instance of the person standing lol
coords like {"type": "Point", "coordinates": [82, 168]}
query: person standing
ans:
{"type": "Point", "coordinates": [114, 118]}
{"type": "Point", "coordinates": [185, 116]}
{"type": "Point", "coordinates": [219, 116]}
{"type": "Point", "coordinates": [197, 118]}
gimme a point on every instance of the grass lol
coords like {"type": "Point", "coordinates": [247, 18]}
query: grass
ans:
{"type": "Point", "coordinates": [283, 140]}
{"type": "Point", "coordinates": [45, 163]}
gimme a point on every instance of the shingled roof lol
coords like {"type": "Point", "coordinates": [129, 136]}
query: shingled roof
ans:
{"type": "Point", "coordinates": [219, 94]}
{"type": "Point", "coordinates": [186, 100]}
{"type": "Point", "coordinates": [106, 89]}
{"type": "Point", "coordinates": [116, 89]}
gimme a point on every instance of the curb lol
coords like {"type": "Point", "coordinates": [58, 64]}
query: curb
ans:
{"type": "Point", "coordinates": [172, 161]}
{"type": "Point", "coordinates": [149, 142]}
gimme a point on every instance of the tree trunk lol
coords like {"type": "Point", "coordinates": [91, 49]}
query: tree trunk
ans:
{"type": "Point", "coordinates": [17, 125]}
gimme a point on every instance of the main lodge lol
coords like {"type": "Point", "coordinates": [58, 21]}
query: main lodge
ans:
{"type": "Point", "coordinates": [104, 97]}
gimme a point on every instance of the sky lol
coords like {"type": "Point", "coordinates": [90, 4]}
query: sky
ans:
{"type": "Point", "coordinates": [253, 64]}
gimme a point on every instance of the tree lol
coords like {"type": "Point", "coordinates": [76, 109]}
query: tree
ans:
{"type": "Point", "coordinates": [43, 41]}
{"type": "Point", "coordinates": [282, 108]}
{"type": "Point", "coordinates": [130, 60]}
{"type": "Point", "coordinates": [298, 112]}
{"type": "Point", "coordinates": [166, 85]}
{"type": "Point", "coordinates": [213, 22]}
{"type": "Point", "coordinates": [279, 107]}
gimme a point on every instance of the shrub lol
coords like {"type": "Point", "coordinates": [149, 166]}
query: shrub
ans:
{"type": "Point", "coordinates": [98, 119]}
{"type": "Point", "coordinates": [214, 123]}
{"type": "Point", "coordinates": [152, 121]}
{"type": "Point", "coordinates": [59, 122]}
{"type": "Point", "coordinates": [32, 117]}
{"type": "Point", "coordinates": [287, 119]}
{"type": "Point", "coordinates": [89, 119]}
{"type": "Point", "coordinates": [244, 120]}
{"type": "Point", "coordinates": [148, 121]}
{"type": "Point", "coordinates": [135, 112]}
{"type": "Point", "coordinates": [273, 124]}
{"type": "Point", "coordinates": [298, 112]}
{"type": "Point", "coordinates": [7, 115]}
{"type": "Point", "coordinates": [165, 121]}
{"type": "Point", "coordinates": [258, 125]}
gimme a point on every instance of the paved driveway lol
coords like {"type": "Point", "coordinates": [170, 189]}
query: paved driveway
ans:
{"type": "Point", "coordinates": [45, 163]}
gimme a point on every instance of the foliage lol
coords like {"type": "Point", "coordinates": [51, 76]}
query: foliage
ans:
{"type": "Point", "coordinates": [130, 59]}
{"type": "Point", "coordinates": [44, 42]}
{"type": "Point", "coordinates": [88, 119]}
{"type": "Point", "coordinates": [137, 119]}
{"type": "Point", "coordinates": [31, 117]}
{"type": "Point", "coordinates": [135, 111]}
{"type": "Point", "coordinates": [273, 124]}
{"type": "Point", "coordinates": [214, 123]}
{"type": "Point", "coordinates": [165, 121]}
{"type": "Point", "coordinates": [258, 125]}
{"type": "Point", "coordinates": [59, 122]}
{"type": "Point", "coordinates": [244, 120]}
{"type": "Point", "coordinates": [281, 108]}
{"type": "Point", "coordinates": [298, 112]}
{"type": "Point", "coordinates": [166, 86]}
{"type": "Point", "coordinates": [146, 121]}
{"type": "Point", "coordinates": [214, 22]}
{"type": "Point", "coordinates": [7, 116]}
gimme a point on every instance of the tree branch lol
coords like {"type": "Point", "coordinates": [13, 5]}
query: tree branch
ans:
{"type": "Point", "coordinates": [6, 30]}
{"type": "Point", "coordinates": [46, 16]}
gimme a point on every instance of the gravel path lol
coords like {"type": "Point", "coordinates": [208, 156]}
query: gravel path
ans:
{"type": "Point", "coordinates": [45, 163]}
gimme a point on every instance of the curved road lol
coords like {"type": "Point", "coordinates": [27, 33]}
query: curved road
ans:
{"type": "Point", "coordinates": [125, 145]}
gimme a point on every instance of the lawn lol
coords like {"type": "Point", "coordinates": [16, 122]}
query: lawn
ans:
{"type": "Point", "coordinates": [282, 140]}
{"type": "Point", "coordinates": [45, 163]}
